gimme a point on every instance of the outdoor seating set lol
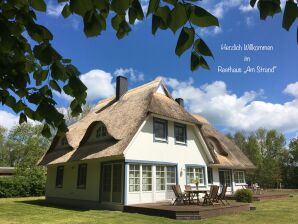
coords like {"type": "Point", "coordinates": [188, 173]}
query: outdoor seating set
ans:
{"type": "Point", "coordinates": [255, 188]}
{"type": "Point", "coordinates": [191, 196]}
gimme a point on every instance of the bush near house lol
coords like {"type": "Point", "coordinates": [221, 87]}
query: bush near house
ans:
{"type": "Point", "coordinates": [243, 195]}
{"type": "Point", "coordinates": [29, 182]}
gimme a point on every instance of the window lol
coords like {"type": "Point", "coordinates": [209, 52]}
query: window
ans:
{"type": "Point", "coordinates": [82, 176]}
{"type": "Point", "coordinates": [210, 175]}
{"type": "Point", "coordinates": [101, 131]}
{"type": "Point", "coordinates": [160, 178]}
{"type": "Point", "coordinates": [134, 178]}
{"type": "Point", "coordinates": [160, 130]}
{"type": "Point", "coordinates": [180, 133]}
{"type": "Point", "coordinates": [171, 176]}
{"type": "Point", "coordinates": [239, 177]}
{"type": "Point", "coordinates": [59, 176]}
{"type": "Point", "coordinates": [194, 173]}
{"type": "Point", "coordinates": [165, 177]}
{"type": "Point", "coordinates": [64, 141]}
{"type": "Point", "coordinates": [146, 178]}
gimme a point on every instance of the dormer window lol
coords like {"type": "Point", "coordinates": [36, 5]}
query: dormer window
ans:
{"type": "Point", "coordinates": [101, 131]}
{"type": "Point", "coordinates": [64, 141]}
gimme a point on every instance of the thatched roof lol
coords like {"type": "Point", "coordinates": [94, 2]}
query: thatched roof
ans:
{"type": "Point", "coordinates": [225, 152]}
{"type": "Point", "coordinates": [122, 119]}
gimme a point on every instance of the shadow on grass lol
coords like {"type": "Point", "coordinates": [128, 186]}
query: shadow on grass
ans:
{"type": "Point", "coordinates": [45, 203]}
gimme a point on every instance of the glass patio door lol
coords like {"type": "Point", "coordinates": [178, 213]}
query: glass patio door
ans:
{"type": "Point", "coordinates": [112, 182]}
{"type": "Point", "coordinates": [225, 178]}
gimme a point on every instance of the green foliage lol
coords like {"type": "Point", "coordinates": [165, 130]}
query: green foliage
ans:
{"type": "Point", "coordinates": [27, 56]}
{"type": "Point", "coordinates": [27, 182]}
{"type": "Point", "coordinates": [293, 148]}
{"type": "Point", "coordinates": [243, 195]}
{"type": "Point", "coordinates": [268, 152]}
{"type": "Point", "coordinates": [272, 7]}
{"type": "Point", "coordinates": [22, 148]}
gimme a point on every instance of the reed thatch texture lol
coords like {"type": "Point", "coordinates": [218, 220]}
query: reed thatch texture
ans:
{"type": "Point", "coordinates": [123, 118]}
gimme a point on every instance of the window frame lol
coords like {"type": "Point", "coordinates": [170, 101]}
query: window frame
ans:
{"type": "Point", "coordinates": [149, 182]}
{"type": "Point", "coordinates": [79, 177]}
{"type": "Point", "coordinates": [179, 125]}
{"type": "Point", "coordinates": [236, 173]}
{"type": "Point", "coordinates": [165, 123]}
{"type": "Point", "coordinates": [59, 183]}
{"type": "Point", "coordinates": [210, 171]}
{"type": "Point", "coordinates": [166, 183]}
{"type": "Point", "coordinates": [203, 184]}
{"type": "Point", "coordinates": [101, 129]}
{"type": "Point", "coordinates": [64, 141]}
{"type": "Point", "coordinates": [134, 184]}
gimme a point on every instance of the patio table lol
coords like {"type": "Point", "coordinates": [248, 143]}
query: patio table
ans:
{"type": "Point", "coordinates": [197, 193]}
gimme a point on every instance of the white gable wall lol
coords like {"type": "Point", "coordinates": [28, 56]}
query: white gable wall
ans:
{"type": "Point", "coordinates": [144, 150]}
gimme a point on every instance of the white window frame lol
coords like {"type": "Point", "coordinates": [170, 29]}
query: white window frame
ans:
{"type": "Point", "coordinates": [237, 178]}
{"type": "Point", "coordinates": [136, 185]}
{"type": "Point", "coordinates": [149, 178]}
{"type": "Point", "coordinates": [195, 172]}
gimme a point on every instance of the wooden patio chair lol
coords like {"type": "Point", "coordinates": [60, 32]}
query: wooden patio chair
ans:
{"type": "Point", "coordinates": [180, 197]}
{"type": "Point", "coordinates": [222, 196]}
{"type": "Point", "coordinates": [212, 197]}
{"type": "Point", "coordinates": [192, 195]}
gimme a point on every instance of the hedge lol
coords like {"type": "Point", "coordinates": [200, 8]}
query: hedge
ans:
{"type": "Point", "coordinates": [23, 184]}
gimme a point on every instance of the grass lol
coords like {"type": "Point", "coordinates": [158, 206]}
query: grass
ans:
{"type": "Point", "coordinates": [32, 210]}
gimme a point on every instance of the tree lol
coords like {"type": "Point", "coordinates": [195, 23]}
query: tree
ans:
{"type": "Point", "coordinates": [27, 56]}
{"type": "Point", "coordinates": [293, 149]}
{"type": "Point", "coordinates": [71, 119]}
{"type": "Point", "coordinates": [2, 140]}
{"type": "Point", "coordinates": [267, 151]}
{"type": "Point", "coordinates": [22, 148]}
{"type": "Point", "coordinates": [25, 145]}
{"type": "Point", "coordinates": [240, 140]}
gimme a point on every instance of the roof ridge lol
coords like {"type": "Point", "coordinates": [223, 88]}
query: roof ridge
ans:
{"type": "Point", "coordinates": [158, 79]}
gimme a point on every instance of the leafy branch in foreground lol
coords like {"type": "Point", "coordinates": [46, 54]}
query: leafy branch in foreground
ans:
{"type": "Point", "coordinates": [166, 14]}
{"type": "Point", "coordinates": [31, 69]}
{"type": "Point", "coordinates": [272, 7]}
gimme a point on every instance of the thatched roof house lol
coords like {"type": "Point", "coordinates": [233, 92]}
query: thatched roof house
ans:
{"type": "Point", "coordinates": [142, 129]}
{"type": "Point", "coordinates": [123, 118]}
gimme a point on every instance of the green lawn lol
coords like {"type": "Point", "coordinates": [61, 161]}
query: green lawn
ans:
{"type": "Point", "coordinates": [30, 210]}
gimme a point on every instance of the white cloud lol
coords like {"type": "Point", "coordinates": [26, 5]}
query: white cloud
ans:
{"type": "Point", "coordinates": [292, 89]}
{"type": "Point", "coordinates": [209, 31]}
{"type": "Point", "coordinates": [131, 73]}
{"type": "Point", "coordinates": [244, 112]}
{"type": "Point", "coordinates": [55, 9]}
{"type": "Point", "coordinates": [222, 7]}
{"type": "Point", "coordinates": [8, 120]}
{"type": "Point", "coordinates": [75, 23]}
{"type": "Point", "coordinates": [99, 84]}
{"type": "Point", "coordinates": [249, 21]}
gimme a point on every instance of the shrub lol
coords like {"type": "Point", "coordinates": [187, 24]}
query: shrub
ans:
{"type": "Point", "coordinates": [243, 195]}
{"type": "Point", "coordinates": [27, 182]}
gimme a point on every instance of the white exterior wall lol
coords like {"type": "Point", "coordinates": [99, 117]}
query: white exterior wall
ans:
{"type": "Point", "coordinates": [235, 186]}
{"type": "Point", "coordinates": [69, 189]}
{"type": "Point", "coordinates": [143, 150]}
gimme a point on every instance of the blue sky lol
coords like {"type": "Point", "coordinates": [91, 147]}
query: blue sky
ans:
{"type": "Point", "coordinates": [230, 101]}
